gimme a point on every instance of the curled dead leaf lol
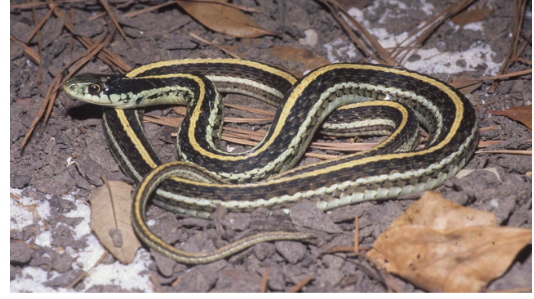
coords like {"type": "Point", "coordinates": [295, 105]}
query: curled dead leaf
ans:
{"type": "Point", "coordinates": [435, 212]}
{"type": "Point", "coordinates": [111, 220]}
{"type": "Point", "coordinates": [441, 246]}
{"type": "Point", "coordinates": [309, 59]}
{"type": "Point", "coordinates": [465, 85]}
{"type": "Point", "coordinates": [472, 15]}
{"type": "Point", "coordinates": [521, 114]}
{"type": "Point", "coordinates": [224, 19]}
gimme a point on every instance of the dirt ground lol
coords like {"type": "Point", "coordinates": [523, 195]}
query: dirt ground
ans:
{"type": "Point", "coordinates": [64, 160]}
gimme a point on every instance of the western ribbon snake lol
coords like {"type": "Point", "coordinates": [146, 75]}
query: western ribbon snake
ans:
{"type": "Point", "coordinates": [338, 99]}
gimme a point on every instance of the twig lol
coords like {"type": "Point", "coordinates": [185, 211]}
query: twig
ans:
{"type": "Point", "coordinates": [258, 135]}
{"type": "Point", "coordinates": [38, 26]}
{"type": "Point", "coordinates": [302, 283]}
{"type": "Point", "coordinates": [391, 284]}
{"type": "Point", "coordinates": [264, 280]}
{"type": "Point", "coordinates": [528, 38]}
{"type": "Point", "coordinates": [101, 14]}
{"type": "Point", "coordinates": [114, 20]}
{"type": "Point", "coordinates": [70, 286]}
{"type": "Point", "coordinates": [252, 110]}
{"type": "Point", "coordinates": [356, 235]}
{"type": "Point", "coordinates": [527, 289]}
{"type": "Point", "coordinates": [519, 12]}
{"type": "Point", "coordinates": [71, 41]}
{"type": "Point", "coordinates": [523, 60]}
{"type": "Point", "coordinates": [89, 53]}
{"type": "Point", "coordinates": [37, 4]}
{"type": "Point", "coordinates": [176, 282]}
{"type": "Point", "coordinates": [222, 48]}
{"type": "Point", "coordinates": [512, 152]}
{"type": "Point", "coordinates": [106, 182]}
{"type": "Point", "coordinates": [321, 156]}
{"type": "Point", "coordinates": [25, 244]}
{"type": "Point", "coordinates": [53, 96]}
{"type": "Point", "coordinates": [156, 286]}
{"type": "Point", "coordinates": [503, 76]}
{"type": "Point", "coordinates": [349, 31]}
{"type": "Point", "coordinates": [485, 129]}
{"type": "Point", "coordinates": [106, 55]}
{"type": "Point", "coordinates": [384, 55]}
{"type": "Point", "coordinates": [240, 7]}
{"type": "Point", "coordinates": [147, 9]}
{"type": "Point", "coordinates": [39, 45]}
{"type": "Point", "coordinates": [347, 249]}
{"type": "Point", "coordinates": [14, 196]}
{"type": "Point", "coordinates": [341, 249]}
{"type": "Point", "coordinates": [434, 23]}
{"type": "Point", "coordinates": [398, 49]}
{"type": "Point", "coordinates": [486, 143]}
{"type": "Point", "coordinates": [27, 50]}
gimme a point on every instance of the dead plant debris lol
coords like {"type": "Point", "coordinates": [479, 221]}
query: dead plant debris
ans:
{"type": "Point", "coordinates": [224, 19]}
{"type": "Point", "coordinates": [521, 114]}
{"type": "Point", "coordinates": [111, 213]}
{"type": "Point", "coordinates": [472, 15]}
{"type": "Point", "coordinates": [444, 247]}
{"type": "Point", "coordinates": [309, 59]}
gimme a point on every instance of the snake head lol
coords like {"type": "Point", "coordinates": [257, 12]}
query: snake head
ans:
{"type": "Point", "coordinates": [94, 89]}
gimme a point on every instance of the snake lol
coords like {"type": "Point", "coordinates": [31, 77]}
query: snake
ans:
{"type": "Point", "coordinates": [343, 99]}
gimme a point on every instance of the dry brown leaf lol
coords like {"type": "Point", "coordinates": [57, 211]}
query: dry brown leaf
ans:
{"type": "Point", "coordinates": [433, 211]}
{"type": "Point", "coordinates": [465, 88]}
{"type": "Point", "coordinates": [359, 4]}
{"type": "Point", "coordinates": [180, 110]}
{"type": "Point", "coordinates": [441, 246]}
{"type": "Point", "coordinates": [472, 15]}
{"type": "Point", "coordinates": [521, 114]}
{"type": "Point", "coordinates": [309, 59]}
{"type": "Point", "coordinates": [111, 222]}
{"type": "Point", "coordinates": [224, 19]}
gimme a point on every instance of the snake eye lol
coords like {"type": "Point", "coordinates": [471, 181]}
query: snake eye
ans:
{"type": "Point", "coordinates": [94, 89]}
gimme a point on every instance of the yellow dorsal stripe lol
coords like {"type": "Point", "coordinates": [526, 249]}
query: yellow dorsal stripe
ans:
{"type": "Point", "coordinates": [290, 78]}
{"type": "Point", "coordinates": [297, 91]}
{"type": "Point", "coordinates": [131, 134]}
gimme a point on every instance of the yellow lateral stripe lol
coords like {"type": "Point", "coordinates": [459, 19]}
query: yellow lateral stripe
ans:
{"type": "Point", "coordinates": [131, 134]}
{"type": "Point", "coordinates": [450, 135]}
{"type": "Point", "coordinates": [276, 179]}
{"type": "Point", "coordinates": [252, 64]}
{"type": "Point", "coordinates": [297, 91]}
{"type": "Point", "coordinates": [374, 174]}
{"type": "Point", "coordinates": [397, 131]}
{"type": "Point", "coordinates": [133, 137]}
{"type": "Point", "coordinates": [137, 208]}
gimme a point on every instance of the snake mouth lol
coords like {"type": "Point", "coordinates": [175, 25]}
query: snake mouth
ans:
{"type": "Point", "coordinates": [71, 89]}
{"type": "Point", "coordinates": [93, 89]}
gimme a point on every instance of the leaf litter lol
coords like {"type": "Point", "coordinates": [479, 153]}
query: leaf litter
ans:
{"type": "Point", "coordinates": [111, 214]}
{"type": "Point", "coordinates": [224, 19]}
{"type": "Point", "coordinates": [444, 247]}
